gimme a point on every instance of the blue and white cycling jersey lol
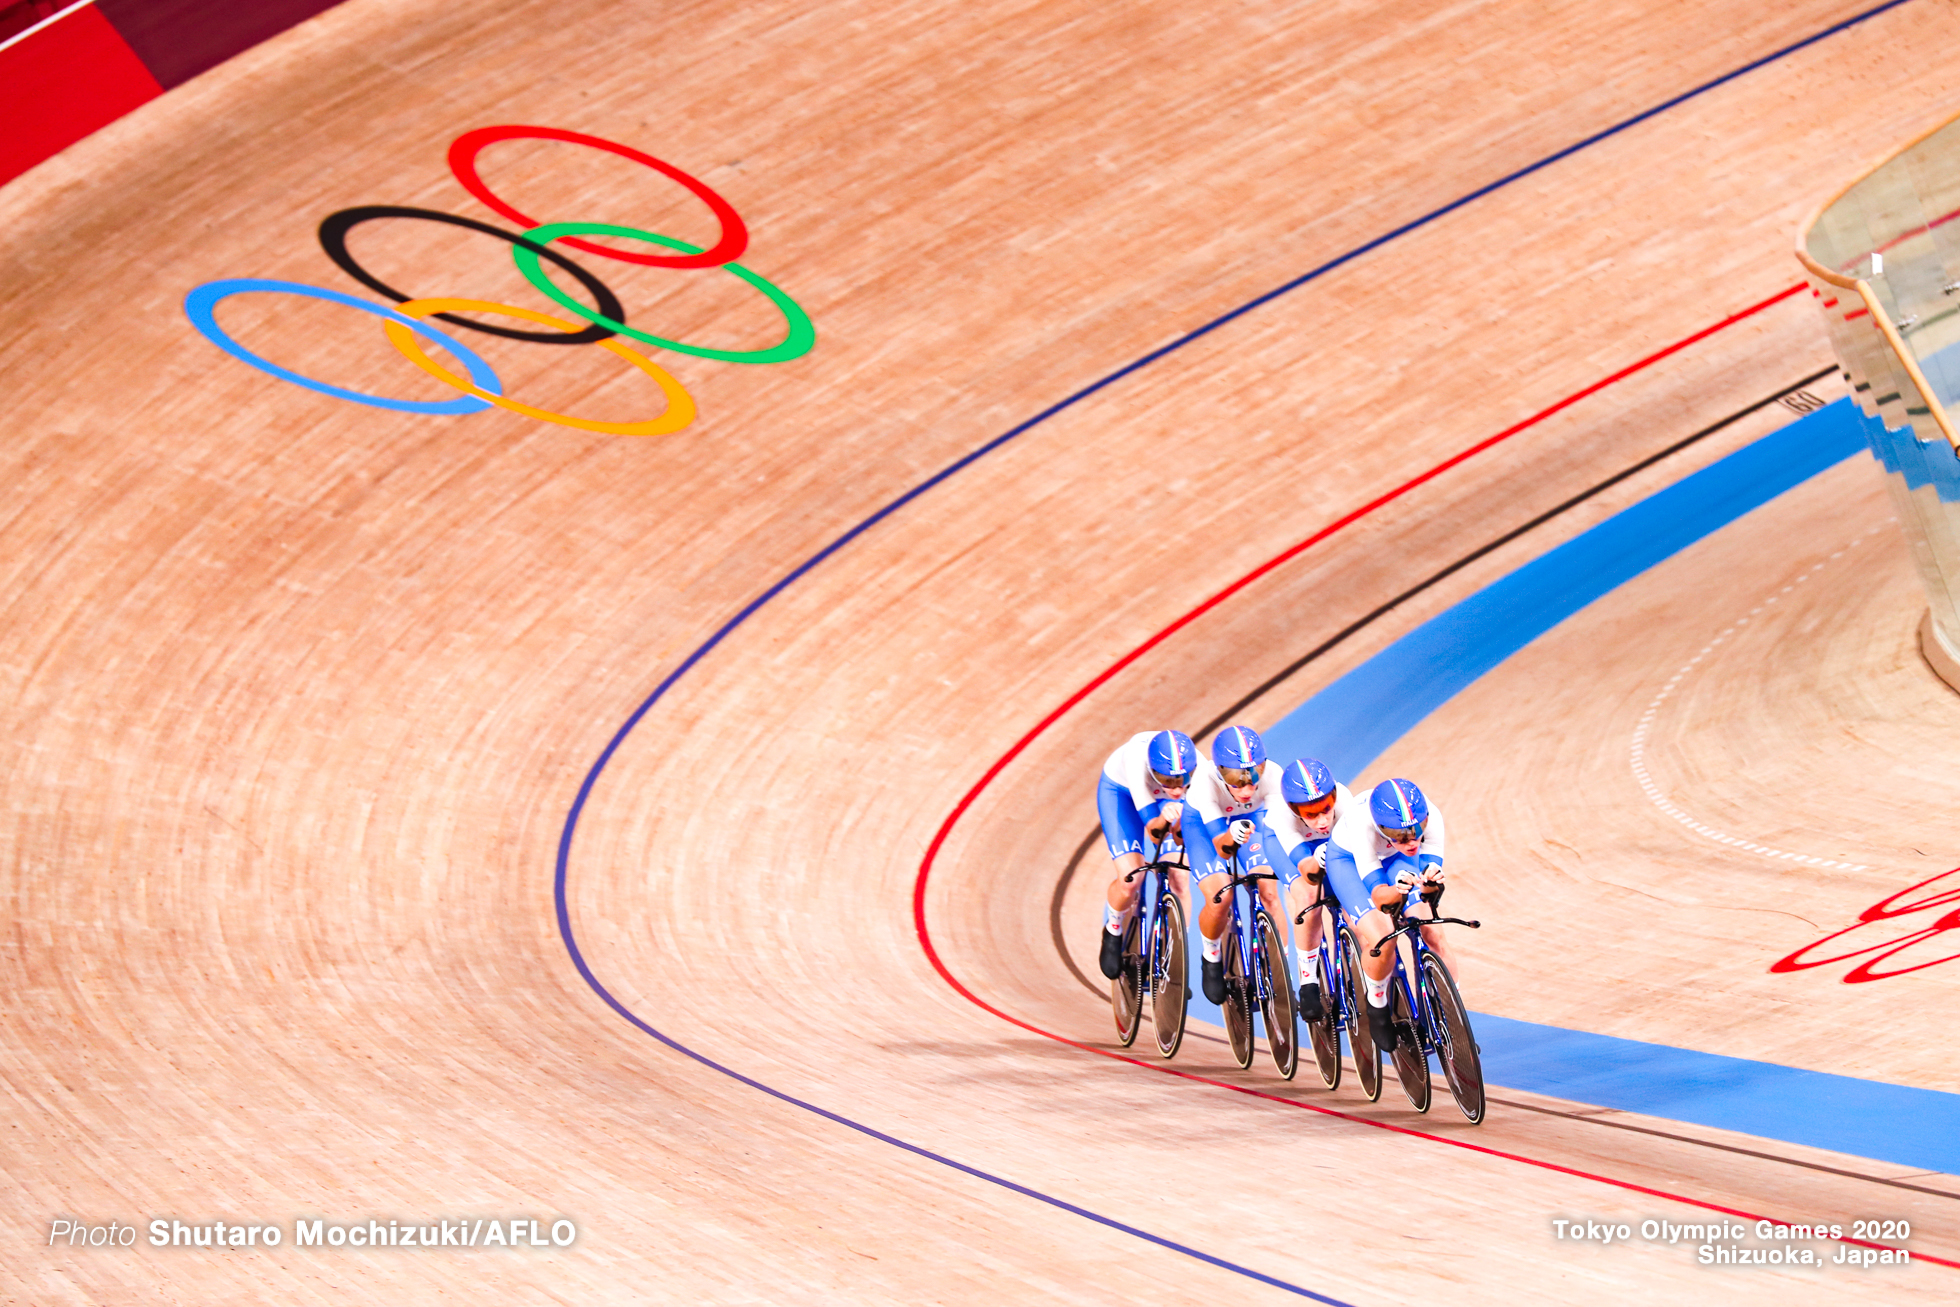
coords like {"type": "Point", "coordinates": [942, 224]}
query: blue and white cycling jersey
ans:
{"type": "Point", "coordinates": [1127, 798]}
{"type": "Point", "coordinates": [1359, 859]}
{"type": "Point", "coordinates": [1209, 808]}
{"type": "Point", "coordinates": [1300, 842]}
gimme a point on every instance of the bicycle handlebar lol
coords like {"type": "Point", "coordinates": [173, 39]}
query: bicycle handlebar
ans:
{"type": "Point", "coordinates": [1242, 878]}
{"type": "Point", "coordinates": [1394, 912]}
{"type": "Point", "coordinates": [1162, 864]}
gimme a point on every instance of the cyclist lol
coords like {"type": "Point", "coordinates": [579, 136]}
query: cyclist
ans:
{"type": "Point", "coordinates": [1139, 797]}
{"type": "Point", "coordinates": [1385, 851]}
{"type": "Point", "coordinates": [1224, 826]}
{"type": "Point", "coordinates": [1312, 802]}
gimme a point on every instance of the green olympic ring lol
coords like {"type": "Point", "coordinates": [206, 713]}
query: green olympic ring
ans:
{"type": "Point", "coordinates": [799, 340]}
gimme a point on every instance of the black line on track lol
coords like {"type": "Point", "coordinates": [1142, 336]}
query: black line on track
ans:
{"type": "Point", "coordinates": [1362, 623]}
{"type": "Point", "coordinates": [1594, 1119]}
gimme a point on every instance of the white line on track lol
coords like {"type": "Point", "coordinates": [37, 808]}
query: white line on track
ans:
{"type": "Point", "coordinates": [1638, 753]}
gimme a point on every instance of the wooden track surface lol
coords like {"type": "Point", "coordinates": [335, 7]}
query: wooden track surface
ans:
{"type": "Point", "coordinates": [301, 693]}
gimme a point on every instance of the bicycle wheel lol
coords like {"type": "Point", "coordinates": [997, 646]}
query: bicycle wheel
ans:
{"type": "Point", "coordinates": [1126, 991]}
{"type": "Point", "coordinates": [1170, 988]}
{"type": "Point", "coordinates": [1325, 1034]}
{"type": "Point", "coordinates": [1282, 1027]}
{"type": "Point", "coordinates": [1411, 1063]}
{"type": "Point", "coordinates": [1238, 1011]}
{"type": "Point", "coordinates": [1456, 1045]}
{"type": "Point", "coordinates": [1367, 1059]}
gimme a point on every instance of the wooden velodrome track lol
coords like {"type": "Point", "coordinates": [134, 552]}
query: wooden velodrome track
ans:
{"type": "Point", "coordinates": [301, 694]}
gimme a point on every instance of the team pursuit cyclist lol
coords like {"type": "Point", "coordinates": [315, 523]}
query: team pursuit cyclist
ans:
{"type": "Point", "coordinates": [1139, 797]}
{"type": "Point", "coordinates": [1387, 850]}
{"type": "Point", "coordinates": [1313, 802]}
{"type": "Point", "coordinates": [1224, 823]}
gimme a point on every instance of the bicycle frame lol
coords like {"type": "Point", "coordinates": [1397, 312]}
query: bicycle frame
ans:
{"type": "Point", "coordinates": [1244, 923]}
{"type": "Point", "coordinates": [1428, 1025]}
{"type": "Point", "coordinates": [1154, 872]}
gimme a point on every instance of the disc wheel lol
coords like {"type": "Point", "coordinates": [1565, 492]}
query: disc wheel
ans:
{"type": "Point", "coordinates": [1126, 991]}
{"type": "Point", "coordinates": [1367, 1060]}
{"type": "Point", "coordinates": [1170, 987]}
{"type": "Point", "coordinates": [1238, 1011]}
{"type": "Point", "coordinates": [1456, 1044]}
{"type": "Point", "coordinates": [1324, 1035]}
{"type": "Point", "coordinates": [1411, 1063]}
{"type": "Point", "coordinates": [1276, 1003]}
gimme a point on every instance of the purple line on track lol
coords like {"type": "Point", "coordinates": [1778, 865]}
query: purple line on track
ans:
{"type": "Point", "coordinates": [563, 869]}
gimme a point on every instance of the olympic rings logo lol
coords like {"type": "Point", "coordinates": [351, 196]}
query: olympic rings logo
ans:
{"type": "Point", "coordinates": [408, 330]}
{"type": "Point", "coordinates": [1886, 950]}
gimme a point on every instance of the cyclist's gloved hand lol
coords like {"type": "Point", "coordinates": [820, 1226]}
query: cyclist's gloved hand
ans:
{"type": "Point", "coordinates": [1320, 855]}
{"type": "Point", "coordinates": [1406, 880]}
{"type": "Point", "coordinates": [1172, 812]}
{"type": "Point", "coordinates": [1241, 831]}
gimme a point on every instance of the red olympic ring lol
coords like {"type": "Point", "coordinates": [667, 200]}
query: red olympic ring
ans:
{"type": "Point", "coordinates": [734, 234]}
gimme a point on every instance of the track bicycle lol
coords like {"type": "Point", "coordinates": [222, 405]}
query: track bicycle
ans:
{"type": "Point", "coordinates": [1324, 1035]}
{"type": "Point", "coordinates": [1255, 974]}
{"type": "Point", "coordinates": [1427, 1011]}
{"type": "Point", "coordinates": [1154, 966]}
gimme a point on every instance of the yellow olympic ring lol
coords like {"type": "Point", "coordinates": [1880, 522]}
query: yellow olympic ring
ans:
{"type": "Point", "coordinates": [680, 405]}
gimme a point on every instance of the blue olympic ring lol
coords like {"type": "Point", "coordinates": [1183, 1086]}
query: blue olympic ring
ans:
{"type": "Point", "coordinates": [200, 304]}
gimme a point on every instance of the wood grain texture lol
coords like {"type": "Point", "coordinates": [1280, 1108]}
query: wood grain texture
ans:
{"type": "Point", "coordinates": [300, 693]}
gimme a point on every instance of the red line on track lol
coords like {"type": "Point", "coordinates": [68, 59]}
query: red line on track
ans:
{"type": "Point", "coordinates": [1020, 745]}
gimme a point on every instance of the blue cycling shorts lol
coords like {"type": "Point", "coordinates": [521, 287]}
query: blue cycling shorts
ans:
{"type": "Point", "coordinates": [1262, 853]}
{"type": "Point", "coordinates": [1352, 890]}
{"type": "Point", "coordinates": [1122, 824]}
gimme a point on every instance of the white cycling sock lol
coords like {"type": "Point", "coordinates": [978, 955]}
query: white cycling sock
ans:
{"type": "Point", "coordinates": [1378, 992]}
{"type": "Point", "coordinates": [1114, 919]}
{"type": "Point", "coordinates": [1310, 966]}
{"type": "Point", "coordinates": [1213, 947]}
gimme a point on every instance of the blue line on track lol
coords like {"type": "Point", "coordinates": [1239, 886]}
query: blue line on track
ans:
{"type": "Point", "coordinates": [563, 868]}
{"type": "Point", "coordinates": [1353, 720]}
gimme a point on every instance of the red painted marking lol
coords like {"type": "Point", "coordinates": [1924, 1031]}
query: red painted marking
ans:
{"type": "Point", "coordinates": [1883, 910]}
{"type": "Point", "coordinates": [924, 932]}
{"type": "Point", "coordinates": [1859, 314]}
{"type": "Point", "coordinates": [70, 78]}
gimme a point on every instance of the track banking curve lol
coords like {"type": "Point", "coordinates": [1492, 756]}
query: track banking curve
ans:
{"type": "Point", "coordinates": [923, 930]}
{"type": "Point", "coordinates": [569, 830]}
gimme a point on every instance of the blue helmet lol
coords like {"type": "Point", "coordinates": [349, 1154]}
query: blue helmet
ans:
{"type": "Point", "coordinates": [1240, 748]}
{"type": "Point", "coordinates": [1172, 755]}
{"type": "Point", "coordinates": [1399, 810]}
{"type": "Point", "coordinates": [1306, 780]}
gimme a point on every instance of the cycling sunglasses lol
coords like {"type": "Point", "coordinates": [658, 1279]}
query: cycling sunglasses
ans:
{"type": "Point", "coordinates": [1319, 807]}
{"type": "Point", "coordinates": [1402, 834]}
{"type": "Point", "coordinates": [1239, 778]}
{"type": "Point", "coordinates": [1171, 782]}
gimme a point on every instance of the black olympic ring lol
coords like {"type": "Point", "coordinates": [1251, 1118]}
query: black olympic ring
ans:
{"type": "Point", "coordinates": [333, 239]}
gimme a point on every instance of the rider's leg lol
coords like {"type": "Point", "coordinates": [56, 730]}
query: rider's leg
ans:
{"type": "Point", "coordinates": [1434, 939]}
{"type": "Point", "coordinates": [1370, 929]}
{"type": "Point", "coordinates": [1213, 918]}
{"type": "Point", "coordinates": [1122, 827]}
{"type": "Point", "coordinates": [1122, 896]}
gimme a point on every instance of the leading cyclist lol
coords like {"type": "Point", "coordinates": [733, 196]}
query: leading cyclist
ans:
{"type": "Point", "coordinates": [1138, 797]}
{"type": "Point", "coordinates": [1387, 851]}
{"type": "Point", "coordinates": [1224, 827]}
{"type": "Point", "coordinates": [1312, 803]}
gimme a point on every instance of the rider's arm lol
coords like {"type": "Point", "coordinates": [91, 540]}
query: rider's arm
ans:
{"type": "Point", "coordinates": [1134, 762]}
{"type": "Point", "coordinates": [1430, 852]}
